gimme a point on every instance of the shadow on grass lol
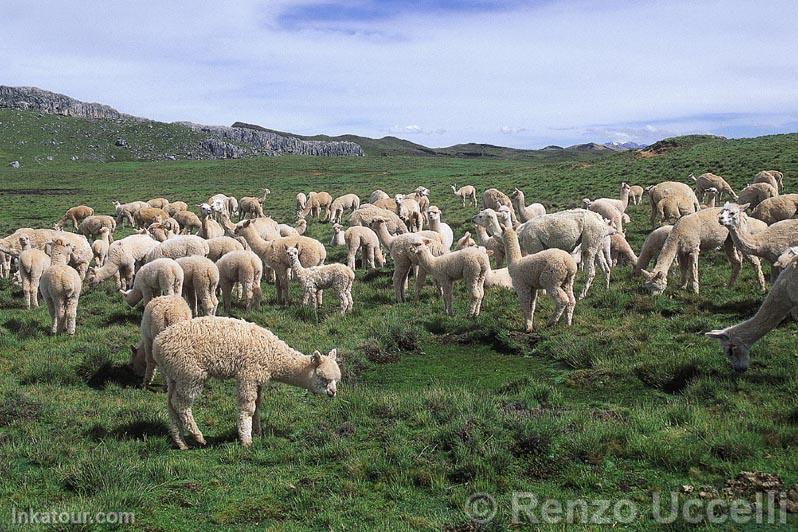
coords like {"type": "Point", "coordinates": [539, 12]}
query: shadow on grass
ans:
{"type": "Point", "coordinates": [140, 429]}
{"type": "Point", "coordinates": [98, 370]}
{"type": "Point", "coordinates": [24, 328]}
{"type": "Point", "coordinates": [122, 318]}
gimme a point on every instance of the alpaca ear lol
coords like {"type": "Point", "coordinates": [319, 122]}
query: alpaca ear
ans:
{"type": "Point", "coordinates": [718, 335]}
{"type": "Point", "coordinates": [315, 359]}
{"type": "Point", "coordinates": [333, 354]}
{"type": "Point", "coordinates": [744, 207]}
{"type": "Point", "coordinates": [246, 224]}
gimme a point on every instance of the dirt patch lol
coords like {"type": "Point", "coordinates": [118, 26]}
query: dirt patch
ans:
{"type": "Point", "coordinates": [39, 191]}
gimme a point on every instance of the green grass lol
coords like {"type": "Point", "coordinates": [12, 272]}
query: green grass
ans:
{"type": "Point", "coordinates": [629, 400]}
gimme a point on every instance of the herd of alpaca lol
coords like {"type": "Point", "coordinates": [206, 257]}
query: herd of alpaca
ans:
{"type": "Point", "coordinates": [178, 264]}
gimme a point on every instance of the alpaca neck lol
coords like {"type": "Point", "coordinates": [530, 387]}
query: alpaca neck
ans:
{"type": "Point", "coordinates": [746, 242]}
{"type": "Point", "coordinates": [494, 229]}
{"type": "Point", "coordinates": [263, 198]}
{"type": "Point", "coordinates": [229, 228]}
{"type": "Point", "coordinates": [482, 235]}
{"type": "Point", "coordinates": [385, 237]}
{"type": "Point", "coordinates": [512, 250]}
{"type": "Point", "coordinates": [772, 312]}
{"type": "Point", "coordinates": [625, 197]}
{"type": "Point", "coordinates": [294, 368]}
{"type": "Point", "coordinates": [296, 267]}
{"type": "Point", "coordinates": [668, 253]}
{"type": "Point", "coordinates": [256, 243]}
{"type": "Point", "coordinates": [519, 201]}
{"type": "Point", "coordinates": [435, 224]}
{"type": "Point", "coordinates": [426, 259]}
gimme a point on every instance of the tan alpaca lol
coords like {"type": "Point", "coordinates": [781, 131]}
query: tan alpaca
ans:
{"type": "Point", "coordinates": [470, 265]}
{"type": "Point", "coordinates": [467, 192]}
{"type": "Point", "coordinates": [493, 199]}
{"type": "Point", "coordinates": [60, 287]}
{"type": "Point", "coordinates": [651, 247]}
{"type": "Point", "coordinates": [76, 215]}
{"type": "Point", "coordinates": [377, 195]}
{"type": "Point", "coordinates": [161, 277]}
{"type": "Point", "coordinates": [179, 246]}
{"type": "Point", "coordinates": [80, 256]}
{"type": "Point", "coordinates": [404, 260]}
{"type": "Point", "coordinates": [200, 280]}
{"type": "Point", "coordinates": [772, 177]}
{"type": "Point", "coordinates": [636, 194]}
{"type": "Point", "coordinates": [342, 204]}
{"type": "Point", "coordinates": [692, 234]}
{"type": "Point", "coordinates": [189, 222]}
{"type": "Point", "coordinates": [767, 244]}
{"type": "Point", "coordinates": [158, 203]}
{"type": "Point", "coordinates": [175, 207]}
{"type": "Point", "coordinates": [782, 300]}
{"type": "Point", "coordinates": [367, 213]}
{"type": "Point", "coordinates": [126, 211]}
{"type": "Point", "coordinates": [221, 245]}
{"type": "Point", "coordinates": [149, 215]}
{"type": "Point", "coordinates": [318, 278]}
{"type": "Point", "coordinates": [190, 352]}
{"type": "Point", "coordinates": [552, 270]}
{"type": "Point", "coordinates": [99, 247]}
{"type": "Point", "coordinates": [685, 198]}
{"type": "Point", "coordinates": [252, 207]}
{"type": "Point", "coordinates": [160, 313]}
{"type": "Point", "coordinates": [362, 239]}
{"type": "Point", "coordinates": [756, 193]}
{"type": "Point", "coordinates": [709, 180]}
{"type": "Point", "coordinates": [209, 228]}
{"type": "Point", "coordinates": [316, 204]}
{"type": "Point", "coordinates": [90, 227]}
{"type": "Point", "coordinates": [122, 258]}
{"type": "Point", "coordinates": [526, 212]}
{"type": "Point", "coordinates": [243, 267]}
{"type": "Point", "coordinates": [774, 210]}
{"type": "Point", "coordinates": [272, 253]}
{"type": "Point", "coordinates": [409, 211]}
{"type": "Point", "coordinates": [32, 264]}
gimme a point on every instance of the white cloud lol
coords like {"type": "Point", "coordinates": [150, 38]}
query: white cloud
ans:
{"type": "Point", "coordinates": [625, 65]}
{"type": "Point", "coordinates": [414, 130]}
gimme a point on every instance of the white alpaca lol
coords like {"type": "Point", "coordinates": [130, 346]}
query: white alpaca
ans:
{"type": "Point", "coordinates": [60, 287]}
{"type": "Point", "coordinates": [361, 239]}
{"type": "Point", "coordinates": [32, 264]}
{"type": "Point", "coordinates": [161, 277]}
{"type": "Point", "coordinates": [318, 278]}
{"type": "Point", "coordinates": [190, 352]}
{"type": "Point", "coordinates": [122, 258]}
{"type": "Point", "coordinates": [435, 224]}
{"type": "Point", "coordinates": [341, 204]}
{"type": "Point", "coordinates": [526, 212]}
{"type": "Point", "coordinates": [242, 267]}
{"type": "Point", "coordinates": [100, 247]}
{"type": "Point", "coordinates": [160, 313]}
{"type": "Point", "coordinates": [200, 280]}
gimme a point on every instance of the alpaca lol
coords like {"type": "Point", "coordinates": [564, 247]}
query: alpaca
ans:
{"type": "Point", "coordinates": [377, 195]}
{"type": "Point", "coordinates": [221, 245]}
{"type": "Point", "coordinates": [200, 280]}
{"type": "Point", "coordinates": [266, 227]}
{"type": "Point", "coordinates": [689, 236]}
{"type": "Point", "coordinates": [561, 230]}
{"type": "Point", "coordinates": [240, 267]}
{"type": "Point", "coordinates": [467, 192]}
{"type": "Point", "coordinates": [403, 257]}
{"type": "Point", "coordinates": [60, 286]}
{"type": "Point", "coordinates": [710, 195]}
{"type": "Point", "coordinates": [651, 248]}
{"type": "Point", "coordinates": [774, 210]}
{"type": "Point", "coordinates": [189, 222]}
{"type": "Point", "coordinates": [552, 270]}
{"type": "Point", "coordinates": [90, 227]}
{"type": "Point", "coordinates": [223, 203]}
{"type": "Point", "coordinates": [76, 215]}
{"type": "Point", "coordinates": [709, 180]}
{"type": "Point", "coordinates": [272, 253]}
{"type": "Point", "coordinates": [756, 193]}
{"type": "Point", "coordinates": [209, 227]}
{"type": "Point", "coordinates": [620, 204]}
{"type": "Point", "coordinates": [768, 244]}
{"type": "Point", "coordinates": [80, 255]}
{"type": "Point", "coordinates": [189, 352]}
{"type": "Point", "coordinates": [621, 251]}
{"type": "Point", "coordinates": [298, 229]}
{"type": "Point", "coordinates": [32, 264]}
{"type": "Point", "coordinates": [149, 215]}
{"type": "Point", "coordinates": [492, 243]}
{"type": "Point", "coordinates": [409, 212]}
{"type": "Point", "coordinates": [160, 313]}
{"type": "Point", "coordinates": [159, 203]}
{"type": "Point", "coordinates": [161, 277]}
{"type": "Point", "coordinates": [251, 207]}
{"type": "Point", "coordinates": [772, 177]}
{"type": "Point", "coordinates": [607, 211]}
{"type": "Point", "coordinates": [684, 195]}
{"type": "Point", "coordinates": [317, 278]}
{"type": "Point", "coordinates": [636, 194]}
{"type": "Point", "coordinates": [175, 207]}
{"type": "Point", "coordinates": [526, 212]}
{"type": "Point", "coordinates": [126, 211]}
{"type": "Point", "coordinates": [341, 204]}
{"type": "Point", "coordinates": [671, 208]}
{"type": "Point", "coordinates": [782, 300]}
{"type": "Point", "coordinates": [100, 247]}
{"type": "Point", "coordinates": [179, 246]}
{"type": "Point", "coordinates": [367, 213]}
{"type": "Point", "coordinates": [317, 203]}
{"type": "Point", "coordinates": [300, 202]}
{"type": "Point", "coordinates": [493, 199]}
{"type": "Point", "coordinates": [122, 258]}
{"type": "Point", "coordinates": [389, 204]}
{"type": "Point", "coordinates": [469, 264]}
{"type": "Point", "coordinates": [435, 224]}
{"type": "Point", "coordinates": [359, 238]}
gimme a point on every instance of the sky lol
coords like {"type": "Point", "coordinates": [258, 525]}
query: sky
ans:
{"type": "Point", "coordinates": [524, 74]}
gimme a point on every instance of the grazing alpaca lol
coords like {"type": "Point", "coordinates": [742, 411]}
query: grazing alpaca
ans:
{"type": "Point", "coordinates": [466, 192]}
{"type": "Point", "coordinates": [709, 180]}
{"type": "Point", "coordinates": [317, 278]}
{"type": "Point", "coordinates": [553, 270]}
{"type": "Point", "coordinates": [782, 300]}
{"type": "Point", "coordinates": [636, 194]}
{"type": "Point", "coordinates": [190, 352]}
{"type": "Point", "coordinates": [469, 264]}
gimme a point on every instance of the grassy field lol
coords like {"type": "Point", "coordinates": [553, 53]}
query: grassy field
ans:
{"type": "Point", "coordinates": [631, 400]}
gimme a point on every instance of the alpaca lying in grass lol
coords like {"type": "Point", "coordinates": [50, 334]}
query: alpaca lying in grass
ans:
{"type": "Point", "coordinates": [469, 264]}
{"type": "Point", "coordinates": [190, 352]}
{"type": "Point", "coordinates": [782, 300]}
{"type": "Point", "coordinates": [318, 278]}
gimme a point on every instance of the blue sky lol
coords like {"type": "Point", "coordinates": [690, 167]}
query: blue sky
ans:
{"type": "Point", "coordinates": [515, 73]}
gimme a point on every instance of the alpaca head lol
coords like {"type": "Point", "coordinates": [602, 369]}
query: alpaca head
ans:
{"type": "Point", "coordinates": [137, 361]}
{"type": "Point", "coordinates": [731, 214]}
{"type": "Point", "coordinates": [293, 254]}
{"type": "Point", "coordinates": [486, 218]}
{"type": "Point", "coordinates": [419, 245]}
{"type": "Point", "coordinates": [434, 213]}
{"type": "Point", "coordinates": [516, 193]}
{"type": "Point", "coordinates": [325, 373]}
{"type": "Point", "coordinates": [586, 202]}
{"type": "Point", "coordinates": [266, 191]}
{"type": "Point", "coordinates": [466, 241]}
{"type": "Point", "coordinates": [24, 241]}
{"type": "Point", "coordinates": [785, 258]}
{"type": "Point", "coordinates": [422, 191]}
{"type": "Point", "coordinates": [336, 228]}
{"type": "Point", "coordinates": [656, 283]}
{"type": "Point", "coordinates": [625, 186]}
{"type": "Point", "coordinates": [505, 216]}
{"type": "Point", "coordinates": [738, 353]}
{"type": "Point", "coordinates": [376, 222]}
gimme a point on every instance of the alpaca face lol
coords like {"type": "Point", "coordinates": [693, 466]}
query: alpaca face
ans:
{"type": "Point", "coordinates": [729, 215]}
{"type": "Point", "coordinates": [737, 352]}
{"type": "Point", "coordinates": [657, 284]}
{"type": "Point", "coordinates": [483, 217]}
{"type": "Point", "coordinates": [326, 373]}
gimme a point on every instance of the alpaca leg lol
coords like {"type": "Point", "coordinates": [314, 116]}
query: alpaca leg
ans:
{"type": "Point", "coordinates": [350, 258]}
{"type": "Point", "coordinates": [735, 260]}
{"type": "Point", "coordinates": [247, 397]}
{"type": "Point", "coordinates": [343, 300]}
{"type": "Point", "coordinates": [256, 430]}
{"type": "Point", "coordinates": [694, 271]}
{"type": "Point", "coordinates": [525, 296]}
{"type": "Point", "coordinates": [446, 285]}
{"type": "Point", "coordinates": [174, 419]}
{"type": "Point", "coordinates": [60, 316]}
{"type": "Point", "coordinates": [248, 294]}
{"type": "Point", "coordinates": [182, 399]}
{"type": "Point", "coordinates": [605, 267]}
{"type": "Point", "coordinates": [561, 302]}
{"type": "Point", "coordinates": [421, 276]}
{"type": "Point", "coordinates": [27, 292]}
{"type": "Point", "coordinates": [369, 252]}
{"type": "Point", "coordinates": [349, 297]}
{"type": "Point", "coordinates": [227, 295]}
{"type": "Point", "coordinates": [756, 263]}
{"type": "Point", "coordinates": [319, 297]}
{"type": "Point", "coordinates": [51, 310]}
{"type": "Point", "coordinates": [71, 314]}
{"type": "Point", "coordinates": [569, 290]}
{"type": "Point", "coordinates": [588, 259]}
{"type": "Point", "coordinates": [400, 274]}
{"type": "Point", "coordinates": [684, 267]}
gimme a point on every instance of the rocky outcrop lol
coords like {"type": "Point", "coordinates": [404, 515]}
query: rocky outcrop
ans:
{"type": "Point", "coordinates": [213, 142]}
{"type": "Point", "coordinates": [42, 101]}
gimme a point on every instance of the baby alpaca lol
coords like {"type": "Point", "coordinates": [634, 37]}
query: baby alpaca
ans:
{"type": "Point", "coordinates": [435, 224]}
{"type": "Point", "coordinates": [60, 286]}
{"type": "Point", "coordinates": [161, 277]}
{"type": "Point", "coordinates": [636, 194]}
{"type": "Point", "coordinates": [316, 278]}
{"type": "Point", "coordinates": [467, 192]}
{"type": "Point", "coordinates": [240, 267]}
{"type": "Point", "coordinates": [99, 247]}
{"type": "Point", "coordinates": [200, 280]}
{"type": "Point", "coordinates": [470, 264]}
{"type": "Point", "coordinates": [159, 314]}
{"type": "Point", "coordinates": [32, 264]}
{"type": "Point", "coordinates": [363, 239]}
{"type": "Point", "coordinates": [189, 352]}
{"type": "Point", "coordinates": [341, 204]}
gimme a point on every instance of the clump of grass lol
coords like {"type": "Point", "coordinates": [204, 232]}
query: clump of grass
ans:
{"type": "Point", "coordinates": [18, 407]}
